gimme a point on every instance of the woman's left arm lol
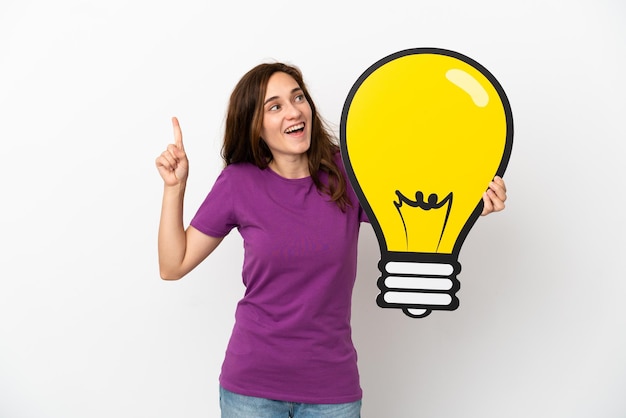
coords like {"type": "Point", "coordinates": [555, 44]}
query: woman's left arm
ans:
{"type": "Point", "coordinates": [494, 197]}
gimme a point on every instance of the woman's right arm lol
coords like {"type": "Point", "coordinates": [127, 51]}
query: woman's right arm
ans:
{"type": "Point", "coordinates": [180, 250]}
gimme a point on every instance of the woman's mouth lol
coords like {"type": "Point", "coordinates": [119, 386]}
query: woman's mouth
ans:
{"type": "Point", "coordinates": [295, 129]}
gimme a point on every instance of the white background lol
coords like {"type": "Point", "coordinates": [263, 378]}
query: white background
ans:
{"type": "Point", "coordinates": [87, 89]}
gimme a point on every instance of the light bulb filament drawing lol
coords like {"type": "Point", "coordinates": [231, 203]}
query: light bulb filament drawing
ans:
{"type": "Point", "coordinates": [420, 203]}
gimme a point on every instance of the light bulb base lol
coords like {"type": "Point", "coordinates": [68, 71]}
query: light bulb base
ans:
{"type": "Point", "coordinates": [418, 283]}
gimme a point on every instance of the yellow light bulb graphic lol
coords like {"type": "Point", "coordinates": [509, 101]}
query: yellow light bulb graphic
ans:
{"type": "Point", "coordinates": [423, 132]}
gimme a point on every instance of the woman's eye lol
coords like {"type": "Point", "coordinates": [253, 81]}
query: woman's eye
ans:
{"type": "Point", "coordinates": [274, 107]}
{"type": "Point", "coordinates": [300, 98]}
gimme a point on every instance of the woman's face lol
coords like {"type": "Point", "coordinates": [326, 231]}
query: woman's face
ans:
{"type": "Point", "coordinates": [286, 117]}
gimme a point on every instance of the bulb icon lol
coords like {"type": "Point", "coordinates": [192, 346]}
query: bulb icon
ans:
{"type": "Point", "coordinates": [423, 132]}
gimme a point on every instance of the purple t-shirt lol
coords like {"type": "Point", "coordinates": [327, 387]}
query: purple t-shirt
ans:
{"type": "Point", "coordinates": [292, 336]}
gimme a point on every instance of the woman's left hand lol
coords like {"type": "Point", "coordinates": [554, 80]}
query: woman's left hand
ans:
{"type": "Point", "coordinates": [494, 197]}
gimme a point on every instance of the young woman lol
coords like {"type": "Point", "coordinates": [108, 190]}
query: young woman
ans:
{"type": "Point", "coordinates": [285, 190]}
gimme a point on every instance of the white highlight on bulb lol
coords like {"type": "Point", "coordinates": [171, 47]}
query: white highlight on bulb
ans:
{"type": "Point", "coordinates": [470, 85]}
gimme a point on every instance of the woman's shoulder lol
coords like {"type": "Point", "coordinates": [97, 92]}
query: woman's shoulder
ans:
{"type": "Point", "coordinates": [241, 170]}
{"type": "Point", "coordinates": [338, 159]}
{"type": "Point", "coordinates": [237, 175]}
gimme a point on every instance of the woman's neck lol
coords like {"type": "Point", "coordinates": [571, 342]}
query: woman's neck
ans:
{"type": "Point", "coordinates": [291, 168]}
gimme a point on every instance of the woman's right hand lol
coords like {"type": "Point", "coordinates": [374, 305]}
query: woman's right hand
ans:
{"type": "Point", "coordinates": [172, 164]}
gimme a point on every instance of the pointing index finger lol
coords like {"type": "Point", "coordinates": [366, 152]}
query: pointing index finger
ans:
{"type": "Point", "coordinates": [178, 133]}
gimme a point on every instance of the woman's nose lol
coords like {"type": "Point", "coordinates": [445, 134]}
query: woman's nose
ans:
{"type": "Point", "coordinates": [293, 111]}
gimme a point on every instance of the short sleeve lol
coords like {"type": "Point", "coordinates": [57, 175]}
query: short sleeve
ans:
{"type": "Point", "coordinates": [362, 215]}
{"type": "Point", "coordinates": [216, 216]}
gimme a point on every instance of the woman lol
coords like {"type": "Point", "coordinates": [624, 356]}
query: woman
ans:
{"type": "Point", "coordinates": [285, 190]}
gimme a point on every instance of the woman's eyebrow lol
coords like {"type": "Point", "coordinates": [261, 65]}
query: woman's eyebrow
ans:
{"type": "Point", "coordinates": [295, 89]}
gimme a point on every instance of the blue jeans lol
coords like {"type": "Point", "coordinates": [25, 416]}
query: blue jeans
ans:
{"type": "Point", "coordinates": [234, 405]}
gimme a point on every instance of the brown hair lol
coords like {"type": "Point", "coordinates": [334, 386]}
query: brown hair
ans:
{"type": "Point", "coordinates": [244, 121]}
